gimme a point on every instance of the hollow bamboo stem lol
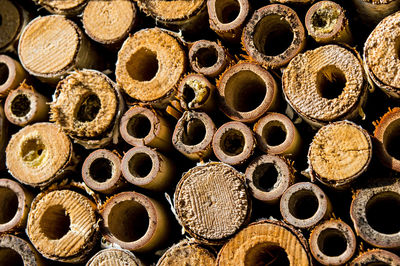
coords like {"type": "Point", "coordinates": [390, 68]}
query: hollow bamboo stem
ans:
{"type": "Point", "coordinates": [12, 74]}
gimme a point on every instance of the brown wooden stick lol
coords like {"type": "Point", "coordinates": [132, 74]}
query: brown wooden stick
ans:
{"type": "Point", "coordinates": [11, 74]}
{"type": "Point", "coordinates": [17, 251]}
{"type": "Point", "coordinates": [114, 256]}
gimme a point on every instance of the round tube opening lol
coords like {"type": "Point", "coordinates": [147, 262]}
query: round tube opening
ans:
{"type": "Point", "coordinates": [265, 177]}
{"type": "Point", "coordinates": [194, 132]}
{"type": "Point", "coordinates": [206, 57]}
{"type": "Point", "coordinates": [4, 73]}
{"type": "Point", "coordinates": [303, 204]}
{"type": "Point", "coordinates": [139, 126]}
{"type": "Point", "coordinates": [232, 142]}
{"type": "Point", "coordinates": [381, 212]}
{"type": "Point", "coordinates": [274, 133]}
{"type": "Point", "coordinates": [330, 82]}
{"type": "Point", "coordinates": [20, 105]}
{"type": "Point", "coordinates": [101, 169]}
{"type": "Point", "coordinates": [89, 108]}
{"type": "Point", "coordinates": [143, 65]}
{"type": "Point", "coordinates": [140, 165]}
{"type": "Point", "coordinates": [8, 204]}
{"type": "Point", "coordinates": [9, 256]}
{"type": "Point", "coordinates": [266, 254]}
{"type": "Point", "coordinates": [391, 139]}
{"type": "Point", "coordinates": [227, 10]}
{"type": "Point", "coordinates": [33, 150]}
{"type": "Point", "coordinates": [55, 222]}
{"type": "Point", "coordinates": [332, 242]}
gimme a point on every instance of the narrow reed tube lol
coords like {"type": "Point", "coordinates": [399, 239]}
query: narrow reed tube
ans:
{"type": "Point", "coordinates": [326, 22]}
{"type": "Point", "coordinates": [128, 210]}
{"type": "Point", "coordinates": [325, 85]}
{"type": "Point", "coordinates": [101, 171]}
{"type": "Point", "coordinates": [228, 17]}
{"type": "Point", "coordinates": [144, 126]}
{"type": "Point", "coordinates": [62, 225]}
{"type": "Point", "coordinates": [266, 242]}
{"type": "Point", "coordinates": [339, 169]}
{"type": "Point", "coordinates": [147, 168]}
{"type": "Point", "coordinates": [196, 93]}
{"type": "Point", "coordinates": [387, 137]}
{"type": "Point", "coordinates": [273, 36]}
{"type": "Point", "coordinates": [376, 257]}
{"type": "Point", "coordinates": [372, 11]}
{"type": "Point", "coordinates": [68, 7]}
{"type": "Point", "coordinates": [39, 154]}
{"type": "Point", "coordinates": [304, 205]}
{"type": "Point", "coordinates": [374, 210]}
{"type": "Point", "coordinates": [25, 106]}
{"type": "Point", "coordinates": [193, 135]}
{"type": "Point", "coordinates": [51, 46]}
{"type": "Point", "coordinates": [109, 22]}
{"type": "Point", "coordinates": [333, 243]}
{"type": "Point", "coordinates": [247, 91]}
{"type": "Point", "coordinates": [215, 192]}
{"type": "Point", "coordinates": [233, 143]}
{"type": "Point", "coordinates": [17, 251]}
{"type": "Point", "coordinates": [87, 105]}
{"type": "Point", "coordinates": [268, 177]}
{"type": "Point", "coordinates": [11, 74]}
{"type": "Point", "coordinates": [187, 253]}
{"type": "Point", "coordinates": [277, 135]}
{"type": "Point", "coordinates": [114, 256]}
{"type": "Point", "coordinates": [15, 202]}
{"type": "Point", "coordinates": [208, 58]}
{"type": "Point", "coordinates": [149, 70]}
{"type": "Point", "coordinates": [381, 55]}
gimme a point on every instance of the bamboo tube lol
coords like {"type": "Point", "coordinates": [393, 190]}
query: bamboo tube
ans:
{"type": "Point", "coordinates": [39, 154]}
{"type": "Point", "coordinates": [333, 243]}
{"type": "Point", "coordinates": [148, 168]}
{"type": "Point", "coordinates": [268, 177]}
{"type": "Point", "coordinates": [150, 65]}
{"type": "Point", "coordinates": [11, 74]}
{"type": "Point", "coordinates": [380, 56]}
{"type": "Point", "coordinates": [266, 242]}
{"type": "Point", "coordinates": [247, 91]}
{"type": "Point", "coordinates": [325, 85]}
{"type": "Point", "coordinates": [109, 22]}
{"type": "Point", "coordinates": [196, 93]}
{"type": "Point", "coordinates": [128, 210]}
{"type": "Point", "coordinates": [233, 143]}
{"type": "Point", "coordinates": [273, 36]}
{"type": "Point", "coordinates": [373, 212]}
{"type": "Point", "coordinates": [4, 138]}
{"type": "Point", "coordinates": [25, 106]}
{"type": "Point", "coordinates": [113, 256]}
{"type": "Point", "coordinates": [228, 17]}
{"type": "Point", "coordinates": [101, 171]}
{"type": "Point", "coordinates": [87, 105]}
{"type": "Point", "coordinates": [386, 139]}
{"type": "Point", "coordinates": [16, 251]}
{"type": "Point", "coordinates": [326, 22]}
{"type": "Point", "coordinates": [51, 46]}
{"type": "Point", "coordinates": [215, 192]}
{"type": "Point", "coordinates": [373, 11]}
{"type": "Point", "coordinates": [277, 135]}
{"type": "Point", "coordinates": [208, 58]}
{"type": "Point", "coordinates": [187, 253]}
{"type": "Point", "coordinates": [144, 126]}
{"type": "Point", "coordinates": [304, 205]}
{"type": "Point", "coordinates": [334, 168]}
{"type": "Point", "coordinates": [376, 257]}
{"type": "Point", "coordinates": [62, 225]}
{"type": "Point", "coordinates": [65, 7]}
{"type": "Point", "coordinates": [15, 202]}
{"type": "Point", "coordinates": [193, 135]}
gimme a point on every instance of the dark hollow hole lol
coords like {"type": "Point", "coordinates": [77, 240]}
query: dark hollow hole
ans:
{"type": "Point", "coordinates": [9, 257]}
{"type": "Point", "coordinates": [188, 94]}
{"type": "Point", "coordinates": [8, 204]}
{"type": "Point", "coordinates": [274, 134]}
{"type": "Point", "coordinates": [20, 105]}
{"type": "Point", "coordinates": [227, 10]}
{"type": "Point", "coordinates": [325, 17]}
{"type": "Point", "coordinates": [129, 221]}
{"type": "Point", "coordinates": [32, 149]}
{"type": "Point", "coordinates": [380, 263]}
{"type": "Point", "coordinates": [139, 126]}
{"type": "Point", "coordinates": [101, 169]}
{"type": "Point", "coordinates": [4, 73]}
{"type": "Point", "coordinates": [140, 165]}
{"type": "Point", "coordinates": [1, 20]}
{"type": "Point", "coordinates": [55, 222]}
{"type": "Point", "coordinates": [143, 65]}
{"type": "Point", "coordinates": [330, 82]}
{"type": "Point", "coordinates": [391, 139]}
{"type": "Point", "coordinates": [232, 142]}
{"type": "Point", "coordinates": [266, 254]}
{"type": "Point", "coordinates": [265, 176]}
{"type": "Point", "coordinates": [382, 212]}
{"type": "Point", "coordinates": [332, 242]}
{"type": "Point", "coordinates": [303, 204]}
{"type": "Point", "coordinates": [206, 57]}
{"type": "Point", "coordinates": [194, 132]}
{"type": "Point", "coordinates": [89, 108]}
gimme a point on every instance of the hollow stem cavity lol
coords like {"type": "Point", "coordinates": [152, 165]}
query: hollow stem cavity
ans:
{"type": "Point", "coordinates": [332, 242]}
{"type": "Point", "coordinates": [232, 142]}
{"type": "Point", "coordinates": [266, 254]}
{"type": "Point", "coordinates": [4, 73]}
{"type": "Point", "coordinates": [55, 222]}
{"type": "Point", "coordinates": [89, 108]}
{"type": "Point", "coordinates": [8, 204]}
{"type": "Point", "coordinates": [206, 57]}
{"type": "Point", "coordinates": [274, 133]}
{"type": "Point", "coordinates": [143, 65]}
{"type": "Point", "coordinates": [139, 126]}
{"type": "Point", "coordinates": [227, 10]}
{"type": "Point", "coordinates": [303, 204]}
{"type": "Point", "coordinates": [9, 256]}
{"type": "Point", "coordinates": [20, 105]}
{"type": "Point", "coordinates": [265, 177]}
{"type": "Point", "coordinates": [33, 151]}
{"type": "Point", "coordinates": [330, 82]}
{"type": "Point", "coordinates": [391, 139]}
{"type": "Point", "coordinates": [140, 165]}
{"type": "Point", "coordinates": [381, 212]}
{"type": "Point", "coordinates": [194, 132]}
{"type": "Point", "coordinates": [101, 169]}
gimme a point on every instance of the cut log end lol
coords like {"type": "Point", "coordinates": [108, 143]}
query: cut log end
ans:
{"type": "Point", "coordinates": [114, 257]}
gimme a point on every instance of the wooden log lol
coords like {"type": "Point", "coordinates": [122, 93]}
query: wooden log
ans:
{"type": "Point", "coordinates": [17, 251]}
{"type": "Point", "coordinates": [65, 7]}
{"type": "Point", "coordinates": [217, 193]}
{"type": "Point", "coordinates": [62, 225]}
{"type": "Point", "coordinates": [193, 135]}
{"type": "Point", "coordinates": [87, 105]}
{"type": "Point", "coordinates": [233, 143]}
{"type": "Point", "coordinates": [114, 256]}
{"type": "Point", "coordinates": [247, 91]}
{"type": "Point", "coordinates": [334, 168]}
{"type": "Point", "coordinates": [373, 11]}
{"type": "Point", "coordinates": [304, 205]}
{"type": "Point", "coordinates": [377, 256]}
{"type": "Point", "coordinates": [39, 154]}
{"type": "Point", "coordinates": [11, 74]}
{"type": "Point", "coordinates": [325, 85]}
{"type": "Point", "coordinates": [273, 36]}
{"type": "Point", "coordinates": [128, 210]}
